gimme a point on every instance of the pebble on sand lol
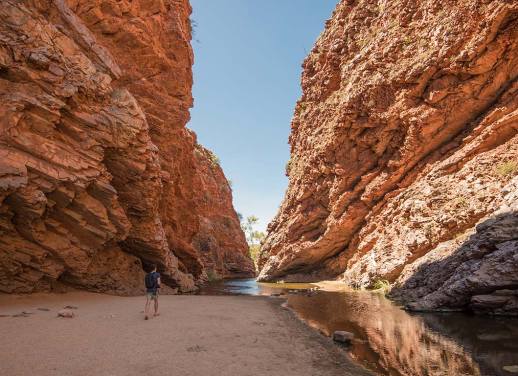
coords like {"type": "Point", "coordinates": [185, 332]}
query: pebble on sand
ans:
{"type": "Point", "coordinates": [66, 313]}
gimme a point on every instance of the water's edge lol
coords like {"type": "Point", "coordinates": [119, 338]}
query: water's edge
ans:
{"type": "Point", "coordinates": [391, 341]}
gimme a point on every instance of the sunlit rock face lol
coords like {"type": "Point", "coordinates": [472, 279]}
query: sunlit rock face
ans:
{"type": "Point", "coordinates": [404, 148]}
{"type": "Point", "coordinates": [219, 240]}
{"type": "Point", "coordinates": [98, 175]}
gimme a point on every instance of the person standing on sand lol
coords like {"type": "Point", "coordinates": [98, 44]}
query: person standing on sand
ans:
{"type": "Point", "coordinates": [152, 282]}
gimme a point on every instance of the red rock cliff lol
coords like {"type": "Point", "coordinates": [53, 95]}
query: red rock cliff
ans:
{"type": "Point", "coordinates": [98, 174]}
{"type": "Point", "coordinates": [404, 155]}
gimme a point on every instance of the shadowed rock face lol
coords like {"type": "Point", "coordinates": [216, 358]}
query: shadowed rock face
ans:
{"type": "Point", "coordinates": [404, 140]}
{"type": "Point", "coordinates": [98, 174]}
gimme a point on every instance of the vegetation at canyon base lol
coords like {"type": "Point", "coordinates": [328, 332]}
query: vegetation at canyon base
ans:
{"type": "Point", "coordinates": [254, 238]}
{"type": "Point", "coordinates": [381, 286]}
{"type": "Point", "coordinates": [213, 276]}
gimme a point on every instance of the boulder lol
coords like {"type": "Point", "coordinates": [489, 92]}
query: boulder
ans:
{"type": "Point", "coordinates": [342, 336]}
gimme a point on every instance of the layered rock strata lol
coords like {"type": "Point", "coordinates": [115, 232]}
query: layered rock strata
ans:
{"type": "Point", "coordinates": [98, 175]}
{"type": "Point", "coordinates": [404, 152]}
{"type": "Point", "coordinates": [219, 240]}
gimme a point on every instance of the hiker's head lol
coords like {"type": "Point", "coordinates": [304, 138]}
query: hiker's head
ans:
{"type": "Point", "coordinates": [153, 267]}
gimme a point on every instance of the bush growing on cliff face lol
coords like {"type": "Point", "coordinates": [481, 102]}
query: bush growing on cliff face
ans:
{"type": "Point", "coordinates": [287, 167]}
{"type": "Point", "coordinates": [214, 159]}
{"type": "Point", "coordinates": [461, 202]}
{"type": "Point", "coordinates": [508, 168]}
{"type": "Point", "coordinates": [194, 26]}
{"type": "Point", "coordinates": [202, 153]}
{"type": "Point", "coordinates": [197, 152]}
{"type": "Point", "coordinates": [407, 40]}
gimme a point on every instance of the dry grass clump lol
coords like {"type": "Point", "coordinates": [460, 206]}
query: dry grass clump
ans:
{"type": "Point", "coordinates": [508, 168]}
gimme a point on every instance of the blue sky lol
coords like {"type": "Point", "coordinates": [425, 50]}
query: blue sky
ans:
{"type": "Point", "coordinates": [248, 56]}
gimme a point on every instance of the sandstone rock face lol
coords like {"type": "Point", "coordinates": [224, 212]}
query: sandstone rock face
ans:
{"type": "Point", "coordinates": [219, 240]}
{"type": "Point", "coordinates": [404, 150]}
{"type": "Point", "coordinates": [98, 174]}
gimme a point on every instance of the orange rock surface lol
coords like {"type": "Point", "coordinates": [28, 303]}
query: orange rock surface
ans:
{"type": "Point", "coordinates": [404, 155]}
{"type": "Point", "coordinates": [98, 175]}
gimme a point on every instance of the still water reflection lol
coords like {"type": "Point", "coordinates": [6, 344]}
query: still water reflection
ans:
{"type": "Point", "coordinates": [391, 341]}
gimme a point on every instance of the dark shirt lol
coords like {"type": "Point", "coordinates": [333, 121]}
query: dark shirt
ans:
{"type": "Point", "coordinates": [154, 277]}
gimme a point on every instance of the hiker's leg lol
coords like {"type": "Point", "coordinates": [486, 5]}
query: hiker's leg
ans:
{"type": "Point", "coordinates": [146, 309]}
{"type": "Point", "coordinates": [156, 305]}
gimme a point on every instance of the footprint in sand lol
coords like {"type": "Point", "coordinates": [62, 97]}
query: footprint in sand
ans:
{"type": "Point", "coordinates": [196, 348]}
{"type": "Point", "coordinates": [20, 315]}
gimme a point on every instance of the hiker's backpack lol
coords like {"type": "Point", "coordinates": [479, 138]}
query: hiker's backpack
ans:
{"type": "Point", "coordinates": [151, 280]}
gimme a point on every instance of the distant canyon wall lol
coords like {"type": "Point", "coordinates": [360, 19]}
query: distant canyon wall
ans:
{"type": "Point", "coordinates": [404, 156]}
{"type": "Point", "coordinates": [99, 178]}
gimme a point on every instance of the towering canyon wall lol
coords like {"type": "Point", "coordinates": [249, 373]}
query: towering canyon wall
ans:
{"type": "Point", "coordinates": [404, 155]}
{"type": "Point", "coordinates": [98, 175]}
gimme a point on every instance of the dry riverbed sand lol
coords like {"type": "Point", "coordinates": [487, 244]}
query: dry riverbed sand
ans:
{"type": "Point", "coordinates": [194, 335]}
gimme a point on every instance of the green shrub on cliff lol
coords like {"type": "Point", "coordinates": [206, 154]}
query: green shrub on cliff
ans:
{"type": "Point", "coordinates": [201, 153]}
{"type": "Point", "coordinates": [380, 285]}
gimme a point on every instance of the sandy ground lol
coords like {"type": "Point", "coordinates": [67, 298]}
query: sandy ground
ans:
{"type": "Point", "coordinates": [194, 335]}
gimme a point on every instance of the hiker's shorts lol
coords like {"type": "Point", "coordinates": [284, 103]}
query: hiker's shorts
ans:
{"type": "Point", "coordinates": [153, 295]}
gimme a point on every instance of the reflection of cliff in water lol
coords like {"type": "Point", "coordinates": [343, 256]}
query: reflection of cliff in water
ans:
{"type": "Point", "coordinates": [395, 342]}
{"type": "Point", "coordinates": [492, 342]}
